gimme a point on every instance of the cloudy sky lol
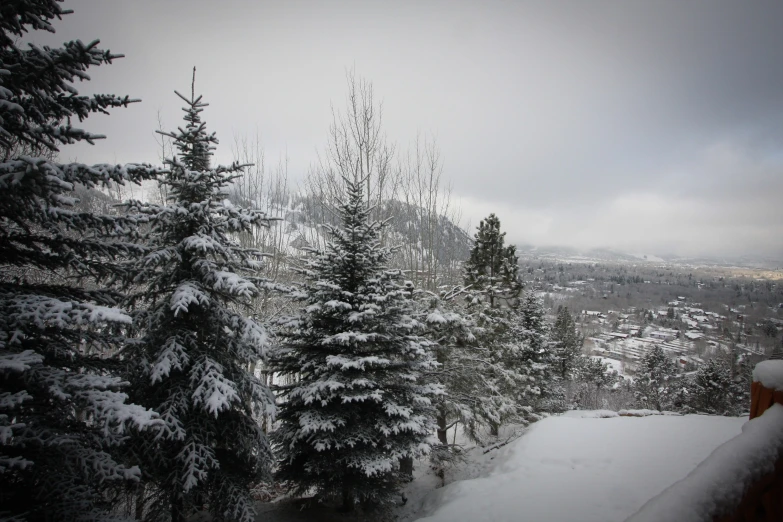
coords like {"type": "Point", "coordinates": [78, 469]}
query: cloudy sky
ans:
{"type": "Point", "coordinates": [652, 127]}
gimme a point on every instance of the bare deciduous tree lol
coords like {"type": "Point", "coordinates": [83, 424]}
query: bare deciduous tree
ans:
{"type": "Point", "coordinates": [357, 150]}
{"type": "Point", "coordinates": [428, 254]}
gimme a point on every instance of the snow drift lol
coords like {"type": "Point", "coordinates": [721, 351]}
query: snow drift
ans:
{"type": "Point", "coordinates": [584, 469]}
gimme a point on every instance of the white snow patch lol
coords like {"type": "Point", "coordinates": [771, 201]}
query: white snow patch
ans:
{"type": "Point", "coordinates": [717, 485]}
{"type": "Point", "coordinates": [769, 374]}
{"type": "Point", "coordinates": [583, 469]}
{"type": "Point", "coordinates": [638, 413]}
{"type": "Point", "coordinates": [614, 364]}
{"type": "Point", "coordinates": [590, 414]}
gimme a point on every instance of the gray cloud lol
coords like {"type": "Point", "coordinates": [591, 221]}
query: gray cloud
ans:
{"type": "Point", "coordinates": [656, 126]}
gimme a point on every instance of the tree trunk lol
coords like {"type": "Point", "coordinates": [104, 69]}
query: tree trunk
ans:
{"type": "Point", "coordinates": [348, 502]}
{"type": "Point", "coordinates": [441, 419]}
{"type": "Point", "coordinates": [177, 508]}
{"type": "Point", "coordinates": [406, 467]}
{"type": "Point", "coordinates": [139, 512]}
{"type": "Point", "coordinates": [494, 429]}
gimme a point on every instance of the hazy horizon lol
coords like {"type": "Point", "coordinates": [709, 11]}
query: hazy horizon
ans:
{"type": "Point", "coordinates": [650, 128]}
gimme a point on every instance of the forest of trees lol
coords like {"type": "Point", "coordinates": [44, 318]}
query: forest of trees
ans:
{"type": "Point", "coordinates": [162, 358]}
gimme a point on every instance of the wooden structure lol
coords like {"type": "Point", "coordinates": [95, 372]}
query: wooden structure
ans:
{"type": "Point", "coordinates": [762, 398]}
{"type": "Point", "coordinates": [763, 502]}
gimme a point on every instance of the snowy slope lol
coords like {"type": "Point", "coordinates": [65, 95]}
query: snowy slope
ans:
{"type": "Point", "coordinates": [583, 469]}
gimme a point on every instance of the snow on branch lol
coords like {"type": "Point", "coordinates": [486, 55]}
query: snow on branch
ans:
{"type": "Point", "coordinates": [19, 362]}
{"type": "Point", "coordinates": [234, 284]}
{"type": "Point", "coordinates": [174, 355]}
{"type": "Point", "coordinates": [186, 294]}
{"type": "Point", "coordinates": [213, 391]}
{"type": "Point", "coordinates": [196, 459]}
{"type": "Point", "coordinates": [357, 363]}
{"type": "Point", "coordinates": [45, 311]}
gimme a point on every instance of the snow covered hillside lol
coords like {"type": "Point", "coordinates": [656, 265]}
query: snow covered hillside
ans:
{"type": "Point", "coordinates": [577, 467]}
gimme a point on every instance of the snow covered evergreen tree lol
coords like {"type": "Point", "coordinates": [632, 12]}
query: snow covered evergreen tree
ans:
{"type": "Point", "coordinates": [356, 402]}
{"type": "Point", "coordinates": [195, 345]}
{"type": "Point", "coordinates": [62, 409]}
{"type": "Point", "coordinates": [533, 358]}
{"type": "Point", "coordinates": [492, 271]}
{"type": "Point", "coordinates": [478, 386]}
{"type": "Point", "coordinates": [742, 379]}
{"type": "Point", "coordinates": [655, 386]}
{"type": "Point", "coordinates": [710, 390]}
{"type": "Point", "coordinates": [534, 330]}
{"type": "Point", "coordinates": [567, 344]}
{"type": "Point", "coordinates": [594, 377]}
{"type": "Point", "coordinates": [452, 340]}
{"type": "Point", "coordinates": [493, 290]}
{"type": "Point", "coordinates": [740, 368]}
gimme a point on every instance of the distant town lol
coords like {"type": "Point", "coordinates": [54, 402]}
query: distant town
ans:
{"type": "Point", "coordinates": [693, 312]}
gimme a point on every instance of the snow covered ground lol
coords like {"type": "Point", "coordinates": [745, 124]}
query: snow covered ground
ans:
{"type": "Point", "coordinates": [614, 364]}
{"type": "Point", "coordinates": [576, 467]}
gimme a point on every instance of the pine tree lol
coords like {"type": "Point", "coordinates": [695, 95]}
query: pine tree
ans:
{"type": "Point", "coordinates": [594, 376]}
{"type": "Point", "coordinates": [493, 291]}
{"type": "Point", "coordinates": [534, 330]}
{"type": "Point", "coordinates": [655, 384]}
{"type": "Point", "coordinates": [62, 407]}
{"type": "Point", "coordinates": [452, 341]}
{"type": "Point", "coordinates": [741, 372]}
{"type": "Point", "coordinates": [479, 389]}
{"type": "Point", "coordinates": [709, 392]}
{"type": "Point", "coordinates": [740, 389]}
{"type": "Point", "coordinates": [191, 358]}
{"type": "Point", "coordinates": [356, 402]}
{"type": "Point", "coordinates": [534, 357]}
{"type": "Point", "coordinates": [567, 344]}
{"type": "Point", "coordinates": [492, 271]}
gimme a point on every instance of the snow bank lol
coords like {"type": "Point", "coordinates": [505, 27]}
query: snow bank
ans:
{"type": "Point", "coordinates": [590, 414]}
{"type": "Point", "coordinates": [638, 413]}
{"type": "Point", "coordinates": [769, 374]}
{"type": "Point", "coordinates": [583, 469]}
{"type": "Point", "coordinates": [605, 414]}
{"type": "Point", "coordinates": [717, 485]}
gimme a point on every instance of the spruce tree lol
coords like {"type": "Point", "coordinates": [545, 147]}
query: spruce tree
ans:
{"type": "Point", "coordinates": [62, 406]}
{"type": "Point", "coordinates": [356, 401]}
{"type": "Point", "coordinates": [195, 343]}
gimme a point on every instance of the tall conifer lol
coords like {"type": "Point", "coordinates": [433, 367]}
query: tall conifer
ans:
{"type": "Point", "coordinates": [493, 268]}
{"type": "Point", "coordinates": [62, 407]}
{"type": "Point", "coordinates": [356, 403]}
{"type": "Point", "coordinates": [196, 343]}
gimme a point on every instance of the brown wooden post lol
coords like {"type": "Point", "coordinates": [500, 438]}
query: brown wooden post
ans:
{"type": "Point", "coordinates": [761, 398]}
{"type": "Point", "coordinates": [766, 494]}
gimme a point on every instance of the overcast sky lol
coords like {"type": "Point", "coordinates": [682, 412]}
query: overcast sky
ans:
{"type": "Point", "coordinates": [652, 127]}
